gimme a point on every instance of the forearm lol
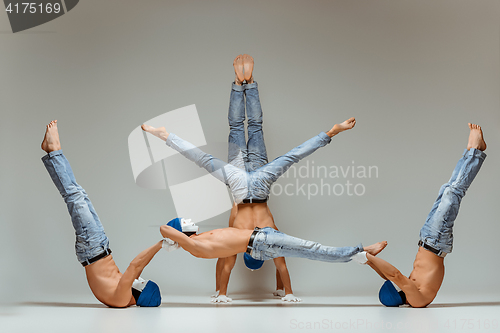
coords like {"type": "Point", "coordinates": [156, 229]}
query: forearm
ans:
{"type": "Point", "coordinates": [224, 281]}
{"type": "Point", "coordinates": [279, 283]}
{"type": "Point", "coordinates": [218, 272]}
{"type": "Point", "coordinates": [143, 258]}
{"type": "Point", "coordinates": [284, 275]}
{"type": "Point", "coordinates": [382, 267]}
{"type": "Point", "coordinates": [226, 273]}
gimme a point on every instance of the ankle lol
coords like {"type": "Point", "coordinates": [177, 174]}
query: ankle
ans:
{"type": "Point", "coordinates": [237, 82]}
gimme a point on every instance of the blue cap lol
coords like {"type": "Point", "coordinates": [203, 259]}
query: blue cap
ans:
{"type": "Point", "coordinates": [175, 223]}
{"type": "Point", "coordinates": [389, 296]}
{"type": "Point", "coordinates": [150, 295]}
{"type": "Point", "coordinates": [252, 263]}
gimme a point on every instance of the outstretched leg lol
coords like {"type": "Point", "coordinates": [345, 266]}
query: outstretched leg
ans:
{"type": "Point", "coordinates": [270, 244]}
{"type": "Point", "coordinates": [270, 172]}
{"type": "Point", "coordinates": [91, 240]}
{"type": "Point", "coordinates": [229, 174]}
{"type": "Point", "coordinates": [437, 231]}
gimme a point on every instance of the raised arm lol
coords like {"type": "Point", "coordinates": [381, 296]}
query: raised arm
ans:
{"type": "Point", "coordinates": [123, 291]}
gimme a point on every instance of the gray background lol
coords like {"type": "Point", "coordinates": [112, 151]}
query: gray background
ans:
{"type": "Point", "coordinates": [412, 72]}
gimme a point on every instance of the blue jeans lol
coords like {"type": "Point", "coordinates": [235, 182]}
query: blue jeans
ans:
{"type": "Point", "coordinates": [437, 231]}
{"type": "Point", "coordinates": [248, 174]}
{"type": "Point", "coordinates": [91, 240]}
{"type": "Point", "coordinates": [245, 155]}
{"type": "Point", "coordinates": [270, 243]}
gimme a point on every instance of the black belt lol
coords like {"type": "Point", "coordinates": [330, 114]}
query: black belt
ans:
{"type": "Point", "coordinates": [250, 241]}
{"type": "Point", "coordinates": [254, 200]}
{"type": "Point", "coordinates": [437, 252]}
{"type": "Point", "coordinates": [100, 256]}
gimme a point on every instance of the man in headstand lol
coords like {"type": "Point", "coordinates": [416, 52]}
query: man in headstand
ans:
{"type": "Point", "coordinates": [248, 155]}
{"type": "Point", "coordinates": [248, 174]}
{"type": "Point", "coordinates": [107, 283]}
{"type": "Point", "coordinates": [436, 236]}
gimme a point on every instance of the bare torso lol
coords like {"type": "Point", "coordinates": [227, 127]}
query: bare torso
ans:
{"type": "Point", "coordinates": [427, 275]}
{"type": "Point", "coordinates": [220, 243]}
{"type": "Point", "coordinates": [103, 277]}
{"type": "Point", "coordinates": [253, 215]}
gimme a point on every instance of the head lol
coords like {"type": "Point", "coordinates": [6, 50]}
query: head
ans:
{"type": "Point", "coordinates": [184, 225]}
{"type": "Point", "coordinates": [391, 295]}
{"type": "Point", "coordinates": [146, 293]}
{"type": "Point", "coordinates": [251, 263]}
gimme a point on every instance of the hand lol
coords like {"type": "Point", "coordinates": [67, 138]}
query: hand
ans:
{"type": "Point", "coordinates": [222, 299]}
{"type": "Point", "coordinates": [279, 293]}
{"type": "Point", "coordinates": [214, 295]}
{"type": "Point", "coordinates": [290, 298]}
{"type": "Point", "coordinates": [169, 245]}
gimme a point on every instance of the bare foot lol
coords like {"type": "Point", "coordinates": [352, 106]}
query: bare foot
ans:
{"type": "Point", "coordinates": [159, 132]}
{"type": "Point", "coordinates": [337, 128]}
{"type": "Point", "coordinates": [248, 65]}
{"type": "Point", "coordinates": [51, 140]}
{"type": "Point", "coordinates": [476, 139]}
{"type": "Point", "coordinates": [238, 70]}
{"type": "Point", "coordinates": [375, 249]}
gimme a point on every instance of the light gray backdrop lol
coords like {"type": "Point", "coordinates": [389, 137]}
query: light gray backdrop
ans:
{"type": "Point", "coordinates": [412, 72]}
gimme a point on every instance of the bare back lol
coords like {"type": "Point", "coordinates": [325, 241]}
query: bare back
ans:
{"type": "Point", "coordinates": [103, 277]}
{"type": "Point", "coordinates": [219, 243]}
{"type": "Point", "coordinates": [427, 276]}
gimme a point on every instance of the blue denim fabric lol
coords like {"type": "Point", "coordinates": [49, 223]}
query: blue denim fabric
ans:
{"type": "Point", "coordinates": [248, 174]}
{"type": "Point", "coordinates": [437, 231]}
{"type": "Point", "coordinates": [249, 155]}
{"type": "Point", "coordinates": [270, 243]}
{"type": "Point", "coordinates": [91, 240]}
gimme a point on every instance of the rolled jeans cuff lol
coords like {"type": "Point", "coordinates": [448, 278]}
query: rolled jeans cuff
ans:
{"type": "Point", "coordinates": [170, 137]}
{"type": "Point", "coordinates": [248, 86]}
{"type": "Point", "coordinates": [325, 138]}
{"type": "Point", "coordinates": [475, 153]}
{"type": "Point", "coordinates": [52, 154]}
{"type": "Point", "coordinates": [360, 247]}
{"type": "Point", "coordinates": [236, 87]}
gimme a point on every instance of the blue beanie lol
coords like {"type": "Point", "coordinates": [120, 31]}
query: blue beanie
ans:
{"type": "Point", "coordinates": [252, 263]}
{"type": "Point", "coordinates": [389, 296]}
{"type": "Point", "coordinates": [175, 223]}
{"type": "Point", "coordinates": [150, 295]}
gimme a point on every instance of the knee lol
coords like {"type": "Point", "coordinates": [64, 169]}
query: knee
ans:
{"type": "Point", "coordinates": [454, 192]}
{"type": "Point", "coordinates": [255, 121]}
{"type": "Point", "coordinates": [73, 195]}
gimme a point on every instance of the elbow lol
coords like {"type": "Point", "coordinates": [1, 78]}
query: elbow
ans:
{"type": "Point", "coordinates": [164, 230]}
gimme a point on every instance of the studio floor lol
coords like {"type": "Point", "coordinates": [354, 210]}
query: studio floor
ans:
{"type": "Point", "coordinates": [253, 314]}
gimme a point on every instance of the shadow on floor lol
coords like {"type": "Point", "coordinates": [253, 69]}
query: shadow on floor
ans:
{"type": "Point", "coordinates": [262, 305]}
{"type": "Point", "coordinates": [458, 305]}
{"type": "Point", "coordinates": [254, 303]}
{"type": "Point", "coordinates": [64, 305]}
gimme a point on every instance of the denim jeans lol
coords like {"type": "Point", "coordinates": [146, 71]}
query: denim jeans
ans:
{"type": "Point", "coordinates": [270, 243]}
{"type": "Point", "coordinates": [247, 174]}
{"type": "Point", "coordinates": [91, 240]}
{"type": "Point", "coordinates": [437, 231]}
